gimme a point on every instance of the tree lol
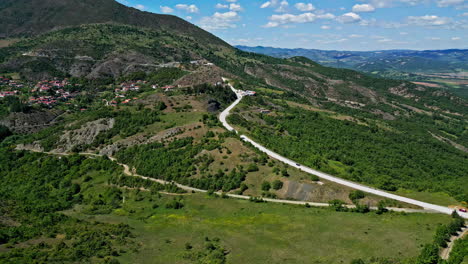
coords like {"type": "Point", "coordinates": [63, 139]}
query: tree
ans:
{"type": "Point", "coordinates": [381, 208]}
{"type": "Point", "coordinates": [4, 132]}
{"type": "Point", "coordinates": [277, 184]}
{"type": "Point", "coordinates": [160, 106]}
{"type": "Point", "coordinates": [429, 255]}
{"type": "Point", "coordinates": [252, 167]}
{"type": "Point", "coordinates": [338, 205]}
{"type": "Point", "coordinates": [266, 186]}
{"type": "Point", "coordinates": [356, 195]}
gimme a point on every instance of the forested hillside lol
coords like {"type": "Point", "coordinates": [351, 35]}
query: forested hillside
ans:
{"type": "Point", "coordinates": [26, 18]}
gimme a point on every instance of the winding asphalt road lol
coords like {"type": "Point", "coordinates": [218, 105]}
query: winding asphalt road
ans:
{"type": "Point", "coordinates": [357, 186]}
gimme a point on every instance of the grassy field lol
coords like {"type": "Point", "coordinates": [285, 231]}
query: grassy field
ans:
{"type": "Point", "coordinates": [265, 233]}
{"type": "Point", "coordinates": [436, 198]}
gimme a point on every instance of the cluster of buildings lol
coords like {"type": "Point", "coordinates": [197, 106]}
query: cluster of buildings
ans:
{"type": "Point", "coordinates": [248, 93]}
{"type": "Point", "coordinates": [130, 86]}
{"type": "Point", "coordinates": [9, 87]}
{"type": "Point", "coordinates": [8, 93]}
{"type": "Point", "coordinates": [55, 90]}
{"type": "Point", "coordinates": [51, 85]}
{"type": "Point", "coordinates": [45, 92]}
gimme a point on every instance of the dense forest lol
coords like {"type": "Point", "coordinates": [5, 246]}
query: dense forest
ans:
{"type": "Point", "coordinates": [180, 160]}
{"type": "Point", "coordinates": [35, 190]}
{"type": "Point", "coordinates": [384, 157]}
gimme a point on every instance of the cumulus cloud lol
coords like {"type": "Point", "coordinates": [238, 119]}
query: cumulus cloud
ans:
{"type": "Point", "coordinates": [284, 19]}
{"type": "Point", "coordinates": [235, 7]}
{"type": "Point", "coordinates": [221, 6]}
{"type": "Point", "coordinates": [446, 3]}
{"type": "Point", "coordinates": [456, 38]}
{"type": "Point", "coordinates": [390, 3]}
{"type": "Point", "coordinates": [350, 17]}
{"type": "Point", "coordinates": [166, 9]}
{"type": "Point", "coordinates": [304, 7]}
{"type": "Point", "coordinates": [140, 7]}
{"type": "Point", "coordinates": [429, 20]}
{"type": "Point", "coordinates": [281, 6]}
{"type": "Point", "coordinates": [363, 8]}
{"type": "Point", "coordinates": [220, 21]}
{"type": "Point", "coordinates": [188, 8]}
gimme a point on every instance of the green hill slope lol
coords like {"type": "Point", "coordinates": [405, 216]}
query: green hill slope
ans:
{"type": "Point", "coordinates": [20, 18]}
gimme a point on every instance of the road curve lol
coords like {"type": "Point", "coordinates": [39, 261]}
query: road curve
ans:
{"type": "Point", "coordinates": [129, 172]}
{"type": "Point", "coordinates": [357, 186]}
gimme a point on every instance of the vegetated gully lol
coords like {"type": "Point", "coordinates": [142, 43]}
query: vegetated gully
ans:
{"type": "Point", "coordinates": [357, 186]}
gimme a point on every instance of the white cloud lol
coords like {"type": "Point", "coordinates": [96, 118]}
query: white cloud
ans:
{"type": "Point", "coordinates": [304, 7]}
{"type": "Point", "coordinates": [429, 20]}
{"type": "Point", "coordinates": [166, 9]}
{"type": "Point", "coordinates": [326, 16]}
{"type": "Point", "coordinates": [283, 7]}
{"type": "Point", "coordinates": [235, 7]}
{"type": "Point", "coordinates": [140, 7]}
{"type": "Point", "coordinates": [221, 6]}
{"type": "Point", "coordinates": [355, 36]}
{"type": "Point", "coordinates": [363, 8]}
{"type": "Point", "coordinates": [456, 38]}
{"type": "Point", "coordinates": [281, 20]}
{"type": "Point", "coordinates": [188, 8]}
{"type": "Point", "coordinates": [325, 27]}
{"type": "Point", "coordinates": [266, 4]}
{"type": "Point", "coordinates": [220, 21]}
{"type": "Point", "coordinates": [384, 40]}
{"type": "Point", "coordinates": [349, 18]}
{"type": "Point", "coordinates": [446, 3]}
{"type": "Point", "coordinates": [277, 20]}
{"type": "Point", "coordinates": [390, 3]}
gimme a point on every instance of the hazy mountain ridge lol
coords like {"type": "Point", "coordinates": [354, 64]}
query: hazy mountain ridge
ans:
{"type": "Point", "coordinates": [369, 61]}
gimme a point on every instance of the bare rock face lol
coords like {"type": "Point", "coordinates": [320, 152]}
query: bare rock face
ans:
{"type": "Point", "coordinates": [84, 135]}
{"type": "Point", "coordinates": [110, 150]}
{"type": "Point", "coordinates": [311, 192]}
{"type": "Point", "coordinates": [34, 147]}
{"type": "Point", "coordinates": [121, 64]}
{"type": "Point", "coordinates": [33, 122]}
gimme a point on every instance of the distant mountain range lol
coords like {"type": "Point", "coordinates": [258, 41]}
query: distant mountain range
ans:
{"type": "Point", "coordinates": [412, 61]}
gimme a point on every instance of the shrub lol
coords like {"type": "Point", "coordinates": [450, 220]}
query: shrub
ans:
{"type": "Point", "coordinates": [266, 186]}
{"type": "Point", "coordinates": [277, 184]}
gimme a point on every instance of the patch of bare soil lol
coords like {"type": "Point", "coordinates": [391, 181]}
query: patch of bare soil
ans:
{"type": "Point", "coordinates": [204, 74]}
{"type": "Point", "coordinates": [448, 141]}
{"type": "Point", "coordinates": [427, 84]}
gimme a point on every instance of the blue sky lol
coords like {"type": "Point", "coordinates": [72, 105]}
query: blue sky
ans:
{"type": "Point", "coordinates": [325, 24]}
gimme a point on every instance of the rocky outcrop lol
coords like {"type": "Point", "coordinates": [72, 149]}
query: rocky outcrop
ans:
{"type": "Point", "coordinates": [84, 135]}
{"type": "Point", "coordinates": [25, 123]}
{"type": "Point", "coordinates": [110, 150]}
